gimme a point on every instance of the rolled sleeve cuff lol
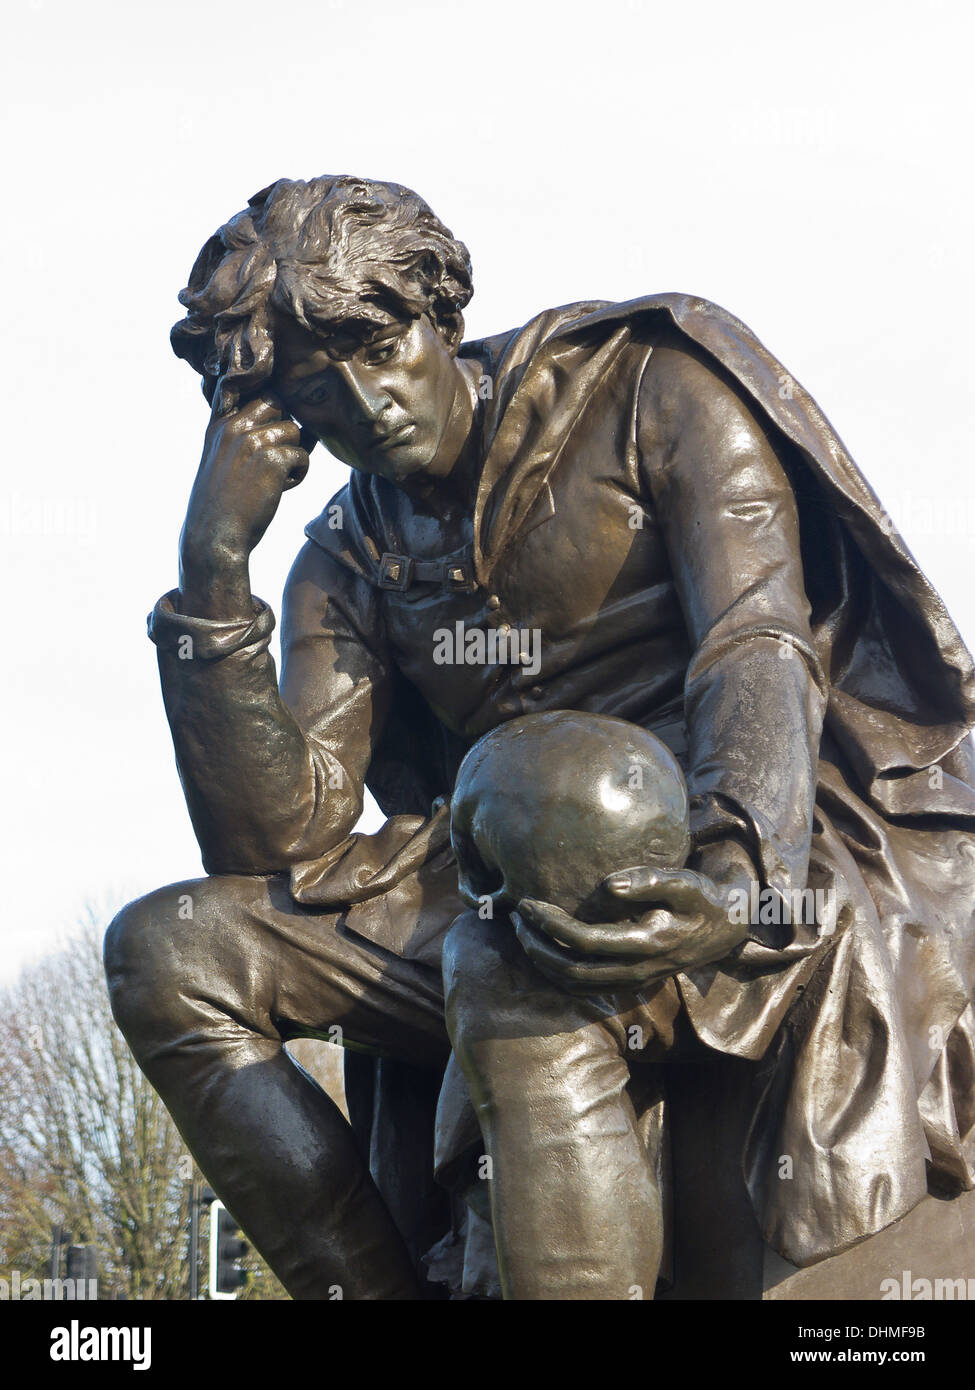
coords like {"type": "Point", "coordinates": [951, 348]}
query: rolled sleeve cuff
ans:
{"type": "Point", "coordinates": [207, 639]}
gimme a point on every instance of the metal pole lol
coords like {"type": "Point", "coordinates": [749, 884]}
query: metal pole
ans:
{"type": "Point", "coordinates": [194, 1240]}
{"type": "Point", "coordinates": [56, 1232]}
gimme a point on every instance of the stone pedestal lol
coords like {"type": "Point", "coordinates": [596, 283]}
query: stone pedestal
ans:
{"type": "Point", "coordinates": [719, 1250]}
{"type": "Point", "coordinates": [930, 1254]}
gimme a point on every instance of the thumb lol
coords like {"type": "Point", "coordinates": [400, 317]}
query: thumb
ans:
{"type": "Point", "coordinates": [681, 890]}
{"type": "Point", "coordinates": [224, 399]}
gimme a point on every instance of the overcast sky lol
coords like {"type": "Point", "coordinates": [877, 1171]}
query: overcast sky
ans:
{"type": "Point", "coordinates": [812, 174]}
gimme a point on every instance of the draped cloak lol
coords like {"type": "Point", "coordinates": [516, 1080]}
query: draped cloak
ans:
{"type": "Point", "coordinates": [866, 1042]}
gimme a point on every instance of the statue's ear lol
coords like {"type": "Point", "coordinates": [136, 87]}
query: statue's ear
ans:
{"type": "Point", "coordinates": [452, 333]}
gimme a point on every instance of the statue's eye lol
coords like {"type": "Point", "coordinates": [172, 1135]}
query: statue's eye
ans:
{"type": "Point", "coordinates": [315, 392]}
{"type": "Point", "coordinates": [381, 352]}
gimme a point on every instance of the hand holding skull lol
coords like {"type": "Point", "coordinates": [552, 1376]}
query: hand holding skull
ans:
{"type": "Point", "coordinates": [549, 814]}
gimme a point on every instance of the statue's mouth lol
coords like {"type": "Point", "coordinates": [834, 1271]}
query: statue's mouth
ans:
{"type": "Point", "coordinates": [398, 436]}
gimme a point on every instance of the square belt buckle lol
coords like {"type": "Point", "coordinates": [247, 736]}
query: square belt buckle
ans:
{"type": "Point", "coordinates": [395, 572]}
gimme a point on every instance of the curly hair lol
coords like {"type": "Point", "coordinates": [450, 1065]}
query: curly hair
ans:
{"type": "Point", "coordinates": [333, 252]}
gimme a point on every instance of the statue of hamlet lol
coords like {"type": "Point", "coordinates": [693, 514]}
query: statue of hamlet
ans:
{"type": "Point", "coordinates": [731, 824]}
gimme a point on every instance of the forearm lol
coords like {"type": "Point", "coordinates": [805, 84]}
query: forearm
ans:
{"type": "Point", "coordinates": [213, 585]}
{"type": "Point", "coordinates": [262, 789]}
{"type": "Point", "coordinates": [261, 796]}
{"type": "Point", "coordinates": [754, 707]}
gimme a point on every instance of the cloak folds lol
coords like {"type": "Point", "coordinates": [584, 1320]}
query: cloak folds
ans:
{"type": "Point", "coordinates": [865, 1043]}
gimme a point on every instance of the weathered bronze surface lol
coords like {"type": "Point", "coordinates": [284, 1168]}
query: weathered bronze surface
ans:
{"type": "Point", "coordinates": [625, 510]}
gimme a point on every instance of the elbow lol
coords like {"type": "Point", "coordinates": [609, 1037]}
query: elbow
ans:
{"type": "Point", "coordinates": [279, 849]}
{"type": "Point", "coordinates": [754, 644]}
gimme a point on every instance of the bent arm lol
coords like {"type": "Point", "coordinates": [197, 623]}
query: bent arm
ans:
{"type": "Point", "coordinates": [755, 692]}
{"type": "Point", "coordinates": [275, 777]}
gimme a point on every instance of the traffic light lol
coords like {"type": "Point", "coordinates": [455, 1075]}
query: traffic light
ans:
{"type": "Point", "coordinates": [227, 1246]}
{"type": "Point", "coordinates": [81, 1263]}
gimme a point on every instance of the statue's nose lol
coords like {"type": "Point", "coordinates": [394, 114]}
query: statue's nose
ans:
{"type": "Point", "coordinates": [370, 398]}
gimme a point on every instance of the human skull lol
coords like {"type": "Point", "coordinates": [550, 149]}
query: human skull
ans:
{"type": "Point", "coordinates": [546, 806]}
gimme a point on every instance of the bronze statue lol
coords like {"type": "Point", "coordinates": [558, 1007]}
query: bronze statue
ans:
{"type": "Point", "coordinates": [623, 510]}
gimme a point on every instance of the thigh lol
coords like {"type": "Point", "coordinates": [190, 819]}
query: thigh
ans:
{"type": "Point", "coordinates": [296, 971]}
{"type": "Point", "coordinates": [327, 976]}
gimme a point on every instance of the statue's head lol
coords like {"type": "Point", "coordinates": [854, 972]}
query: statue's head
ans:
{"type": "Point", "coordinates": [548, 805]}
{"type": "Point", "coordinates": [345, 298]}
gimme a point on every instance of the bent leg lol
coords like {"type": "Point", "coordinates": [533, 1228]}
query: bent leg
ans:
{"type": "Point", "coordinates": [207, 979]}
{"type": "Point", "coordinates": [574, 1200]}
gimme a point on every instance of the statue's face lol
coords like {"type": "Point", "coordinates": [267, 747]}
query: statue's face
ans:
{"type": "Point", "coordinates": [382, 405]}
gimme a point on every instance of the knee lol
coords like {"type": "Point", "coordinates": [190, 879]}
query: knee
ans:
{"type": "Point", "coordinates": [477, 975]}
{"type": "Point", "coordinates": [493, 992]}
{"type": "Point", "coordinates": [154, 952]}
{"type": "Point", "coordinates": [508, 1024]}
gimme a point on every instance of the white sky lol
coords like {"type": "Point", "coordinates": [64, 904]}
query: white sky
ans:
{"type": "Point", "coordinates": [807, 167]}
